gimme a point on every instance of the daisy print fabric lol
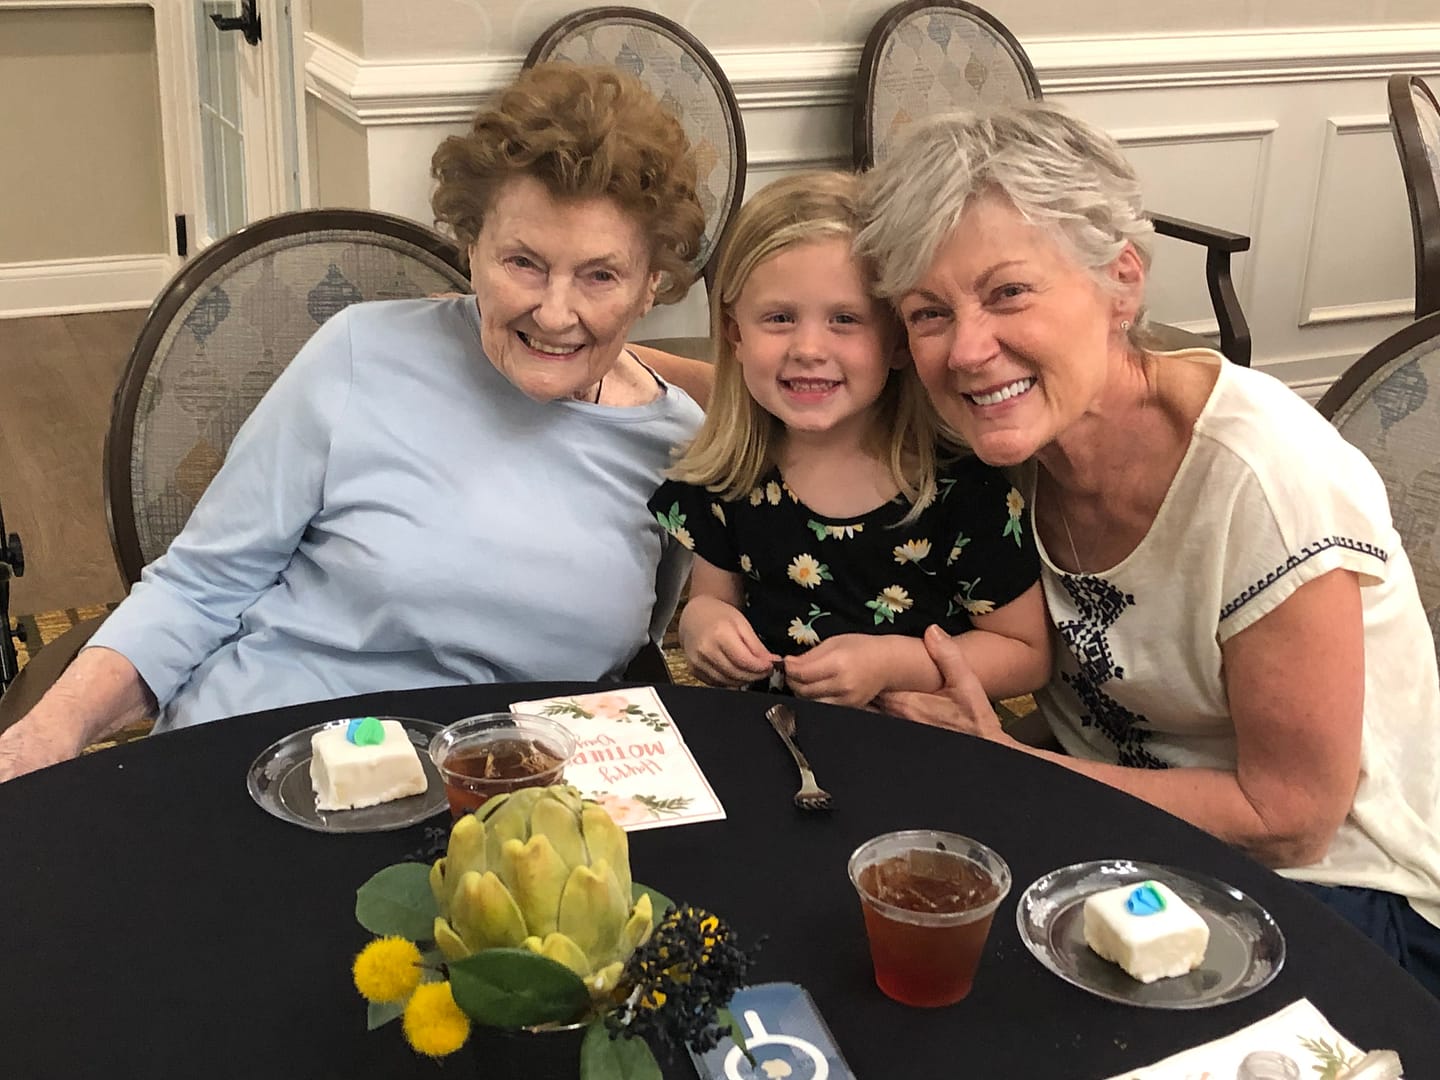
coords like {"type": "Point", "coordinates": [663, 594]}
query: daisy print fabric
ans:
{"type": "Point", "coordinates": [808, 577]}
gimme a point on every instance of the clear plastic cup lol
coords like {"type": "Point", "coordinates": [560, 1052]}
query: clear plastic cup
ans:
{"type": "Point", "coordinates": [928, 898]}
{"type": "Point", "coordinates": [493, 753]}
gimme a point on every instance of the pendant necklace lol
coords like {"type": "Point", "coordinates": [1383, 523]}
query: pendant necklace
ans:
{"type": "Point", "coordinates": [1075, 555]}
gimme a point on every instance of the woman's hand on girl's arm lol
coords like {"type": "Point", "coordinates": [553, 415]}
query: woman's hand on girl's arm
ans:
{"type": "Point", "coordinates": [695, 377]}
{"type": "Point", "coordinates": [1295, 681]}
{"type": "Point", "coordinates": [1009, 649]}
{"type": "Point", "coordinates": [961, 705]}
{"type": "Point", "coordinates": [851, 669]}
{"type": "Point", "coordinates": [719, 641]}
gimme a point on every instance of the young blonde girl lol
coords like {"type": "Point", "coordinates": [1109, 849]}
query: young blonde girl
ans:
{"type": "Point", "coordinates": [830, 525]}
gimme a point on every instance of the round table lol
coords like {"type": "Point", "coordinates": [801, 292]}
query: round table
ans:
{"type": "Point", "coordinates": [157, 923]}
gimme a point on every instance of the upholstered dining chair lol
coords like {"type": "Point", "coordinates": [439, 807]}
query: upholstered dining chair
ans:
{"type": "Point", "coordinates": [688, 80]}
{"type": "Point", "coordinates": [1388, 404]}
{"type": "Point", "coordinates": [212, 343]}
{"type": "Point", "coordinates": [1415, 123]}
{"type": "Point", "coordinates": [926, 57]}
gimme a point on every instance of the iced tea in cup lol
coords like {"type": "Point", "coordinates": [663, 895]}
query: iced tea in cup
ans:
{"type": "Point", "coordinates": [494, 753]}
{"type": "Point", "coordinates": [929, 898]}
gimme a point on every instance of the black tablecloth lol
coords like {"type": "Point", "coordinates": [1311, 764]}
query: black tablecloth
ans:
{"type": "Point", "coordinates": [157, 923]}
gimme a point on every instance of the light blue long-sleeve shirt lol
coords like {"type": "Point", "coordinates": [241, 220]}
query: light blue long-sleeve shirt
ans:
{"type": "Point", "coordinates": [396, 514]}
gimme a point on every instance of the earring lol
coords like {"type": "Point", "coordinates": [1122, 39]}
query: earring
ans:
{"type": "Point", "coordinates": [1124, 325]}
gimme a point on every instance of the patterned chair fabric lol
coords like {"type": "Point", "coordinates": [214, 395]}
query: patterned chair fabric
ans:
{"type": "Point", "coordinates": [689, 82]}
{"type": "Point", "coordinates": [227, 325]}
{"type": "Point", "coordinates": [1388, 404]}
{"type": "Point", "coordinates": [1415, 123]}
{"type": "Point", "coordinates": [938, 58]}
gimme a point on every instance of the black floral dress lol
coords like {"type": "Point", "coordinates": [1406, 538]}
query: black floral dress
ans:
{"type": "Point", "coordinates": [809, 577]}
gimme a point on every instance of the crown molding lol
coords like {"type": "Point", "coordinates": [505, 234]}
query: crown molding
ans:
{"type": "Point", "coordinates": [389, 91]}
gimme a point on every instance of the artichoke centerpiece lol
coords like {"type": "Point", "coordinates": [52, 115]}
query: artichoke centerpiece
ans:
{"type": "Point", "coordinates": [544, 870]}
{"type": "Point", "coordinates": [530, 926]}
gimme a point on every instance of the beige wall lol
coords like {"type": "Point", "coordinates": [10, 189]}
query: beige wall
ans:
{"type": "Point", "coordinates": [81, 165]}
{"type": "Point", "coordinates": [340, 21]}
{"type": "Point", "coordinates": [430, 28]}
{"type": "Point", "coordinates": [339, 158]}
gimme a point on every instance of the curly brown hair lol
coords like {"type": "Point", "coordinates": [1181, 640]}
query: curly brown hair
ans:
{"type": "Point", "coordinates": [584, 132]}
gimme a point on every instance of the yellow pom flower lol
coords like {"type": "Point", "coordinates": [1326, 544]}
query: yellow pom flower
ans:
{"type": "Point", "coordinates": [434, 1024]}
{"type": "Point", "coordinates": [388, 969]}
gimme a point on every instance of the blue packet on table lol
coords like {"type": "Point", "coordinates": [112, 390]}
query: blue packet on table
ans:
{"type": "Point", "coordinates": [786, 1034]}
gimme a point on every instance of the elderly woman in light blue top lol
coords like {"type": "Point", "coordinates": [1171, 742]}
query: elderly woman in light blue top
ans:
{"type": "Point", "coordinates": [440, 491]}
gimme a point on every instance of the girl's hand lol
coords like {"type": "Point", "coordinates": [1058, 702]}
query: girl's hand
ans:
{"type": "Point", "coordinates": [961, 704]}
{"type": "Point", "coordinates": [846, 670]}
{"type": "Point", "coordinates": [721, 645]}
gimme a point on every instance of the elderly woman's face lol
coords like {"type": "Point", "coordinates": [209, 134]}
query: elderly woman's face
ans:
{"type": "Point", "coordinates": [559, 285]}
{"type": "Point", "coordinates": [1010, 336]}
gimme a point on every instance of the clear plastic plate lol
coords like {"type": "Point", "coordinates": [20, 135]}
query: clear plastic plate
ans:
{"type": "Point", "coordinates": [279, 781]}
{"type": "Point", "coordinates": [1245, 952]}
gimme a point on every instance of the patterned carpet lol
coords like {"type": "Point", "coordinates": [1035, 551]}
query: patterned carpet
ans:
{"type": "Point", "coordinates": [45, 627]}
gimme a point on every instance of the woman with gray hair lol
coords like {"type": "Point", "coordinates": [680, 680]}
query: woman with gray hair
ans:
{"type": "Point", "coordinates": [1239, 638]}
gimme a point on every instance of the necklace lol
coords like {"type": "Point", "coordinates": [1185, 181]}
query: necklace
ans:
{"type": "Point", "coordinates": [596, 399]}
{"type": "Point", "coordinates": [1074, 555]}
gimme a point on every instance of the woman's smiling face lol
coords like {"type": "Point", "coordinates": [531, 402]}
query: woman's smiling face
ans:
{"type": "Point", "coordinates": [559, 284]}
{"type": "Point", "coordinates": [1010, 335]}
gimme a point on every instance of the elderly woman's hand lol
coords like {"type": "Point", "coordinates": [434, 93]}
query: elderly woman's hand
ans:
{"type": "Point", "coordinates": [960, 706]}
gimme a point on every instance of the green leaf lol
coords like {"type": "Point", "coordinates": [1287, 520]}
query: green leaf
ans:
{"type": "Point", "coordinates": [512, 988]}
{"type": "Point", "coordinates": [726, 1019]}
{"type": "Point", "coordinates": [659, 902]}
{"type": "Point", "coordinates": [382, 1012]}
{"type": "Point", "coordinates": [398, 900]}
{"type": "Point", "coordinates": [432, 959]}
{"type": "Point", "coordinates": [604, 1058]}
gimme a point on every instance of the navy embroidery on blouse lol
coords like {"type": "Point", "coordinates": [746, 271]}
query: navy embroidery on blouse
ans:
{"type": "Point", "coordinates": [1309, 551]}
{"type": "Point", "coordinates": [1100, 604]}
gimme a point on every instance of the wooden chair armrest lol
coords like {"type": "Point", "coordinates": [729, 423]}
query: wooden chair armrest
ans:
{"type": "Point", "coordinates": [1219, 245]}
{"type": "Point", "coordinates": [648, 666]}
{"type": "Point", "coordinates": [1192, 232]}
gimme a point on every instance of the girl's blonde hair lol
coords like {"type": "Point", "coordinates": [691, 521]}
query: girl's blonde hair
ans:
{"type": "Point", "coordinates": [736, 444]}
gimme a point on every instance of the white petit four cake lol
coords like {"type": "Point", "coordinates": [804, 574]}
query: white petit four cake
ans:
{"type": "Point", "coordinates": [1146, 929]}
{"type": "Point", "coordinates": [364, 763]}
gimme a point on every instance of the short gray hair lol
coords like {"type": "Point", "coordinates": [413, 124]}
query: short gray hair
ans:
{"type": "Point", "coordinates": [1057, 171]}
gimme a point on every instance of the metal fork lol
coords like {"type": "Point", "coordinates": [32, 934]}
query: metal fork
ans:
{"type": "Point", "coordinates": [811, 795]}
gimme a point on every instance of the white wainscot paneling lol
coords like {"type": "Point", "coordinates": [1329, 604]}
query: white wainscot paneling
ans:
{"type": "Point", "coordinates": [1276, 134]}
{"type": "Point", "coordinates": [1209, 174]}
{"type": "Point", "coordinates": [1358, 265]}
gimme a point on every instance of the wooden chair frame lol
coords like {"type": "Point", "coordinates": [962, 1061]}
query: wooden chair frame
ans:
{"type": "Point", "coordinates": [1361, 371]}
{"type": "Point", "coordinates": [119, 459]}
{"type": "Point", "coordinates": [47, 664]}
{"type": "Point", "coordinates": [565, 27]}
{"type": "Point", "coordinates": [1219, 244]}
{"type": "Point", "coordinates": [1420, 187]}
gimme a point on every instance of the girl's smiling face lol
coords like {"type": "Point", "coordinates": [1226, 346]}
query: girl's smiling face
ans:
{"type": "Point", "coordinates": [814, 346]}
{"type": "Point", "coordinates": [1010, 335]}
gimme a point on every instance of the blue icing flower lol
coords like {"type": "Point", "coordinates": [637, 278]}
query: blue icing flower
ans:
{"type": "Point", "coordinates": [1145, 899]}
{"type": "Point", "coordinates": [364, 731]}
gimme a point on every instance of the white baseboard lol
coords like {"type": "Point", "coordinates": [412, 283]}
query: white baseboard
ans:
{"type": "Point", "coordinates": [71, 286]}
